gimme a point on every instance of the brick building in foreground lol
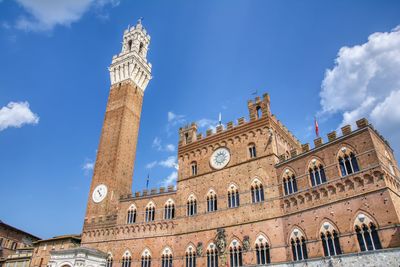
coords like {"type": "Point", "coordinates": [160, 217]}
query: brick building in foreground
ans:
{"type": "Point", "coordinates": [248, 194]}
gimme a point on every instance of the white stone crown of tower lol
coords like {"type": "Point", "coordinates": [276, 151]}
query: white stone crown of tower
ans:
{"type": "Point", "coordinates": [131, 63]}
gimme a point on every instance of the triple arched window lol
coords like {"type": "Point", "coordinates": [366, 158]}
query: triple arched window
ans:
{"type": "Point", "coordinates": [212, 255]}
{"type": "Point", "coordinates": [131, 218]}
{"type": "Point", "coordinates": [169, 210]}
{"type": "Point", "coordinates": [233, 197]}
{"type": "Point", "coordinates": [150, 212]}
{"type": "Point", "coordinates": [317, 173]}
{"type": "Point", "coordinates": [235, 254]}
{"type": "Point", "coordinates": [126, 259]}
{"type": "Point", "coordinates": [299, 246]}
{"type": "Point", "coordinates": [257, 191]}
{"type": "Point", "coordinates": [166, 258]}
{"type": "Point", "coordinates": [211, 201]}
{"type": "Point", "coordinates": [109, 260]}
{"type": "Point", "coordinates": [146, 259]}
{"type": "Point", "coordinates": [330, 240]}
{"type": "Point", "coordinates": [289, 182]}
{"type": "Point", "coordinates": [190, 257]}
{"type": "Point", "coordinates": [262, 251]}
{"type": "Point", "coordinates": [347, 162]}
{"type": "Point", "coordinates": [191, 206]}
{"type": "Point", "coordinates": [367, 235]}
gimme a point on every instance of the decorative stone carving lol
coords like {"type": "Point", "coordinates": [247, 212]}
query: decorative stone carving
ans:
{"type": "Point", "coordinates": [220, 241]}
{"type": "Point", "coordinates": [199, 249]}
{"type": "Point", "coordinates": [246, 243]}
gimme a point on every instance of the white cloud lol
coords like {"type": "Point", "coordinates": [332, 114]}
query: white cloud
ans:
{"type": "Point", "coordinates": [207, 124]}
{"type": "Point", "coordinates": [365, 82]}
{"type": "Point", "coordinates": [157, 144]}
{"type": "Point", "coordinates": [175, 118]}
{"type": "Point", "coordinates": [88, 166]}
{"type": "Point", "coordinates": [170, 180]}
{"type": "Point", "coordinates": [44, 15]}
{"type": "Point", "coordinates": [151, 165]}
{"type": "Point", "coordinates": [170, 162]}
{"type": "Point", "coordinates": [169, 148]}
{"type": "Point", "coordinates": [17, 114]}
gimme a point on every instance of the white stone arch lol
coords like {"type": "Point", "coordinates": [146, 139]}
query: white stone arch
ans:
{"type": "Point", "coordinates": [146, 252]}
{"type": "Point", "coordinates": [127, 253]}
{"type": "Point", "coordinates": [344, 150]}
{"type": "Point", "coordinates": [211, 192]}
{"type": "Point", "coordinates": [233, 187]}
{"type": "Point", "coordinates": [256, 181]}
{"type": "Point", "coordinates": [235, 243]}
{"type": "Point", "coordinates": [190, 249]}
{"type": "Point", "coordinates": [192, 196]}
{"type": "Point", "coordinates": [151, 204]}
{"type": "Point", "coordinates": [65, 264]}
{"type": "Point", "coordinates": [132, 207]}
{"type": "Point", "coordinates": [296, 232]}
{"type": "Point", "coordinates": [261, 239]}
{"type": "Point", "coordinates": [170, 201]}
{"type": "Point", "coordinates": [167, 251]}
{"type": "Point", "coordinates": [363, 218]}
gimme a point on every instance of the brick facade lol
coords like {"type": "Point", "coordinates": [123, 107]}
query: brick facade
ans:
{"type": "Point", "coordinates": [368, 195]}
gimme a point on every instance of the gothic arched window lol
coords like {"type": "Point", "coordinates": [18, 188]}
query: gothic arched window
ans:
{"type": "Point", "coordinates": [233, 197]}
{"type": "Point", "coordinates": [298, 244]}
{"type": "Point", "coordinates": [235, 253]}
{"type": "Point", "coordinates": [317, 173]}
{"type": "Point", "coordinates": [347, 162]}
{"type": "Point", "coordinates": [146, 259]}
{"type": "Point", "coordinates": [211, 201]}
{"type": "Point", "coordinates": [257, 191]}
{"type": "Point", "coordinates": [212, 255]}
{"type": "Point", "coordinates": [126, 259]}
{"type": "Point", "coordinates": [289, 182]}
{"type": "Point", "coordinates": [190, 257]}
{"type": "Point", "coordinates": [166, 258]}
{"type": "Point", "coordinates": [367, 235]}
{"type": "Point", "coordinates": [191, 205]}
{"type": "Point", "coordinates": [131, 218]}
{"type": "Point", "coordinates": [262, 251]}
{"type": "Point", "coordinates": [330, 240]}
{"type": "Point", "coordinates": [109, 260]}
{"type": "Point", "coordinates": [169, 210]}
{"type": "Point", "coordinates": [252, 151]}
{"type": "Point", "coordinates": [193, 167]}
{"type": "Point", "coordinates": [150, 212]}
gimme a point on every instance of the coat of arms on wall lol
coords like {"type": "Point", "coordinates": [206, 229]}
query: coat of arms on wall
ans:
{"type": "Point", "coordinates": [220, 240]}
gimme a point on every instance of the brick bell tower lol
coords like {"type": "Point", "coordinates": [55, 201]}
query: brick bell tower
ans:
{"type": "Point", "coordinates": [112, 177]}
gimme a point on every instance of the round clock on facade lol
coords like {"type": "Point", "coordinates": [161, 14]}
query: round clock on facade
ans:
{"type": "Point", "coordinates": [220, 158]}
{"type": "Point", "coordinates": [99, 193]}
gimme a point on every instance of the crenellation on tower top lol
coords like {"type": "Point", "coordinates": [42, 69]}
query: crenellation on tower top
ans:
{"type": "Point", "coordinates": [131, 63]}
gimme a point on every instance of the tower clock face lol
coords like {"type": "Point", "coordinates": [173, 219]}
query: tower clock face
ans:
{"type": "Point", "coordinates": [220, 158]}
{"type": "Point", "coordinates": [99, 193]}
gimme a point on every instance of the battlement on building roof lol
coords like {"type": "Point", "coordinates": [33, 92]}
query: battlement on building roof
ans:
{"type": "Point", "coordinates": [332, 137]}
{"type": "Point", "coordinates": [149, 193]}
{"type": "Point", "coordinates": [259, 108]}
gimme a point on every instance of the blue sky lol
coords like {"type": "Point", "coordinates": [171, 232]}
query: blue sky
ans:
{"type": "Point", "coordinates": [208, 57]}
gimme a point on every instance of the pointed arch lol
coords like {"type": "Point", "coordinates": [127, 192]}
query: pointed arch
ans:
{"type": "Point", "coordinates": [262, 249]}
{"type": "Point", "coordinates": [212, 200]}
{"type": "Point", "coordinates": [131, 214]}
{"type": "Point", "coordinates": [298, 244]}
{"type": "Point", "coordinates": [190, 256]}
{"type": "Point", "coordinates": [347, 159]}
{"type": "Point", "coordinates": [191, 205]}
{"type": "Point", "coordinates": [150, 211]}
{"type": "Point", "coordinates": [109, 260]}
{"type": "Point", "coordinates": [366, 230]}
{"type": "Point", "coordinates": [233, 196]}
{"type": "Point", "coordinates": [169, 209]}
{"type": "Point", "coordinates": [126, 259]}
{"type": "Point", "coordinates": [316, 171]}
{"type": "Point", "coordinates": [257, 191]}
{"type": "Point", "coordinates": [330, 238]}
{"type": "Point", "coordinates": [236, 253]}
{"type": "Point", "coordinates": [289, 181]}
{"type": "Point", "coordinates": [146, 258]}
{"type": "Point", "coordinates": [212, 255]}
{"type": "Point", "coordinates": [166, 257]}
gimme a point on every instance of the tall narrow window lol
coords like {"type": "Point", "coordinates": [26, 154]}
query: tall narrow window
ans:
{"type": "Point", "coordinates": [141, 48]}
{"type": "Point", "coordinates": [150, 212]}
{"type": "Point", "coordinates": [235, 253]}
{"type": "Point", "coordinates": [211, 201]}
{"type": "Point", "coordinates": [233, 197]}
{"type": "Point", "coordinates": [194, 168]}
{"type": "Point", "coordinates": [330, 241]}
{"type": "Point", "coordinates": [131, 218]}
{"type": "Point", "coordinates": [191, 206]}
{"type": "Point", "coordinates": [190, 257]}
{"type": "Point", "coordinates": [289, 182]}
{"type": "Point", "coordinates": [146, 259]}
{"type": "Point", "coordinates": [212, 255]}
{"type": "Point", "coordinates": [367, 237]}
{"type": "Point", "coordinates": [299, 247]}
{"type": "Point", "coordinates": [166, 258]}
{"type": "Point", "coordinates": [348, 163]}
{"type": "Point", "coordinates": [126, 259]}
{"type": "Point", "coordinates": [317, 173]}
{"type": "Point", "coordinates": [262, 251]}
{"type": "Point", "coordinates": [109, 261]}
{"type": "Point", "coordinates": [252, 151]}
{"type": "Point", "coordinates": [257, 191]}
{"type": "Point", "coordinates": [169, 210]}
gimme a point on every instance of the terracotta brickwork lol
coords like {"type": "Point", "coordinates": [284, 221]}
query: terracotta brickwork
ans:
{"type": "Point", "coordinates": [296, 204]}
